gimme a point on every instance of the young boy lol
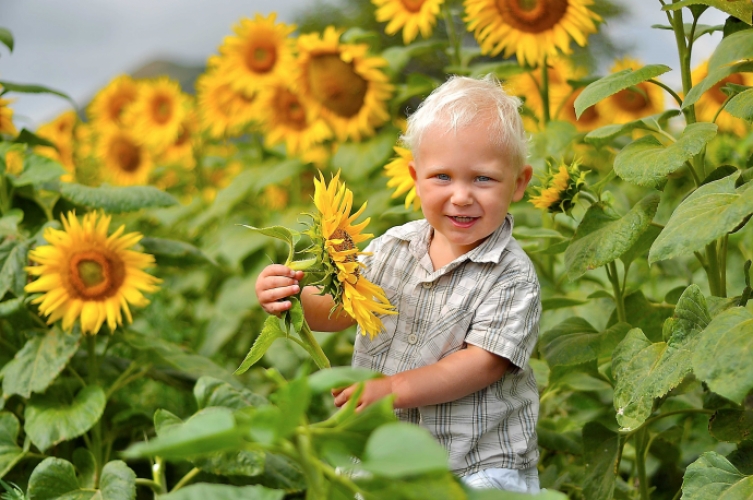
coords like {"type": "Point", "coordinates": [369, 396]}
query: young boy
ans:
{"type": "Point", "coordinates": [455, 358]}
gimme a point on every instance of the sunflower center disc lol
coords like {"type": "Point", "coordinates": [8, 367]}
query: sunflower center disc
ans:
{"type": "Point", "coordinates": [117, 105]}
{"type": "Point", "coordinates": [336, 85]}
{"type": "Point", "coordinates": [127, 153]}
{"type": "Point", "coordinates": [293, 114]}
{"type": "Point", "coordinates": [163, 110]}
{"type": "Point", "coordinates": [631, 99]}
{"type": "Point", "coordinates": [261, 58]}
{"type": "Point", "coordinates": [90, 274]}
{"type": "Point", "coordinates": [532, 16]}
{"type": "Point", "coordinates": [413, 5]}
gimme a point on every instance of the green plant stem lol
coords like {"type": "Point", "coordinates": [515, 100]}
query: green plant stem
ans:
{"type": "Point", "coordinates": [452, 34]}
{"type": "Point", "coordinates": [687, 411]}
{"type": "Point", "coordinates": [155, 487]}
{"type": "Point", "coordinates": [723, 264]}
{"type": "Point", "coordinates": [721, 108]}
{"type": "Point", "coordinates": [696, 178]}
{"type": "Point", "coordinates": [545, 91]}
{"type": "Point", "coordinates": [316, 490]}
{"type": "Point", "coordinates": [75, 374]}
{"type": "Point", "coordinates": [712, 271]}
{"type": "Point", "coordinates": [126, 378]}
{"type": "Point", "coordinates": [675, 20]}
{"type": "Point", "coordinates": [96, 432]}
{"type": "Point", "coordinates": [641, 450]}
{"type": "Point", "coordinates": [668, 89]}
{"type": "Point", "coordinates": [158, 475]}
{"type": "Point", "coordinates": [618, 298]}
{"type": "Point", "coordinates": [186, 479]}
{"type": "Point", "coordinates": [308, 337]}
{"type": "Point", "coordinates": [677, 495]}
{"type": "Point", "coordinates": [341, 479]}
{"type": "Point", "coordinates": [5, 196]}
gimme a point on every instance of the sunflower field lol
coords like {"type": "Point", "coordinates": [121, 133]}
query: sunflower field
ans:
{"type": "Point", "coordinates": [136, 362]}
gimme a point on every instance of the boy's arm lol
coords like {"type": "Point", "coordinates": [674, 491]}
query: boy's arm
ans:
{"type": "Point", "coordinates": [277, 282]}
{"type": "Point", "coordinates": [453, 377]}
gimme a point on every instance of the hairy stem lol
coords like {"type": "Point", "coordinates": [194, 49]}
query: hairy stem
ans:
{"type": "Point", "coordinates": [618, 298]}
{"type": "Point", "coordinates": [545, 91]}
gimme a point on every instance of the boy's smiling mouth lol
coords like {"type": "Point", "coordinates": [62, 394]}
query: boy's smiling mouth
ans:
{"type": "Point", "coordinates": [462, 220]}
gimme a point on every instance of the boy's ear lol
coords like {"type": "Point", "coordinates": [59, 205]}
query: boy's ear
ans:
{"type": "Point", "coordinates": [524, 177]}
{"type": "Point", "coordinates": [412, 169]}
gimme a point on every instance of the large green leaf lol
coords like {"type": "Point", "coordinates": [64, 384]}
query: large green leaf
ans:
{"type": "Point", "coordinates": [39, 170]}
{"type": "Point", "coordinates": [340, 376]}
{"type": "Point", "coordinates": [492, 494]}
{"type": "Point", "coordinates": [208, 431]}
{"type": "Point", "coordinates": [399, 450]}
{"type": "Point", "coordinates": [709, 477]}
{"type": "Point", "coordinates": [10, 452]}
{"type": "Point", "coordinates": [210, 391]}
{"type": "Point", "coordinates": [571, 342]}
{"type": "Point", "coordinates": [710, 212]}
{"type": "Point", "coordinates": [735, 47]}
{"type": "Point", "coordinates": [13, 260]}
{"type": "Point", "coordinates": [606, 134]}
{"type": "Point", "coordinates": [114, 199]}
{"type": "Point", "coordinates": [601, 451]}
{"type": "Point", "coordinates": [398, 56]}
{"type": "Point", "coordinates": [741, 105]}
{"type": "Point", "coordinates": [269, 333]}
{"type": "Point", "coordinates": [647, 161]}
{"type": "Point", "coordinates": [713, 77]}
{"type": "Point", "coordinates": [205, 491]}
{"type": "Point", "coordinates": [10, 221]}
{"type": "Point", "coordinates": [731, 425]}
{"type": "Point", "coordinates": [55, 479]}
{"type": "Point", "coordinates": [50, 421]}
{"type": "Point", "coordinates": [741, 9]}
{"type": "Point", "coordinates": [357, 159]}
{"type": "Point", "coordinates": [39, 362]}
{"type": "Point", "coordinates": [602, 236]}
{"type": "Point", "coordinates": [6, 38]}
{"type": "Point", "coordinates": [174, 252]}
{"type": "Point", "coordinates": [26, 88]}
{"type": "Point", "coordinates": [165, 353]}
{"type": "Point", "coordinates": [611, 84]}
{"type": "Point", "coordinates": [722, 356]}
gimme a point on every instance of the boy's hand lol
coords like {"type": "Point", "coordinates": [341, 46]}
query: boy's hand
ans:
{"type": "Point", "coordinates": [374, 390]}
{"type": "Point", "coordinates": [275, 283]}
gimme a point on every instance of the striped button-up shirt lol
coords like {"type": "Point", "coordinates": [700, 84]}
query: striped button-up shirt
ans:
{"type": "Point", "coordinates": [489, 298]}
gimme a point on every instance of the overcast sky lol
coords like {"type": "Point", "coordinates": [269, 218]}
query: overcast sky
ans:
{"type": "Point", "coordinates": [77, 46]}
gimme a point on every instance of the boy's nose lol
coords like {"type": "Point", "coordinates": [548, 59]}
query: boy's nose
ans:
{"type": "Point", "coordinates": [461, 196]}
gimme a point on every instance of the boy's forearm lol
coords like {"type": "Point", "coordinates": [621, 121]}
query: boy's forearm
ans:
{"type": "Point", "coordinates": [317, 312]}
{"type": "Point", "coordinates": [459, 374]}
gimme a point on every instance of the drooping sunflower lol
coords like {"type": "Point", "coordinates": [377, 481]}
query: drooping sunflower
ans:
{"type": "Point", "coordinates": [558, 189]}
{"type": "Point", "coordinates": [6, 118]}
{"type": "Point", "coordinates": [60, 132]}
{"type": "Point", "coordinates": [708, 104]}
{"type": "Point", "coordinates": [530, 29]}
{"type": "Point", "coordinates": [157, 113]}
{"type": "Point", "coordinates": [259, 54]}
{"type": "Point", "coordinates": [125, 161]}
{"type": "Point", "coordinates": [527, 86]}
{"type": "Point", "coordinates": [642, 100]}
{"type": "Point", "coordinates": [108, 106]}
{"type": "Point", "coordinates": [400, 179]}
{"type": "Point", "coordinates": [224, 111]}
{"type": "Point", "coordinates": [343, 84]}
{"type": "Point", "coordinates": [413, 16]}
{"type": "Point", "coordinates": [287, 119]}
{"type": "Point", "coordinates": [88, 275]}
{"type": "Point", "coordinates": [335, 243]}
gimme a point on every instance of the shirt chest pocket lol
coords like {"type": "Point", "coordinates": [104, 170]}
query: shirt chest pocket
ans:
{"type": "Point", "coordinates": [444, 336]}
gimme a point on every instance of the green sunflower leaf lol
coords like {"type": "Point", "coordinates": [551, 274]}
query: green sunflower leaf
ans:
{"type": "Point", "coordinates": [174, 252]}
{"type": "Point", "coordinates": [605, 135]}
{"type": "Point", "coordinates": [741, 105]}
{"type": "Point", "coordinates": [603, 236]}
{"type": "Point", "coordinates": [50, 421]}
{"type": "Point", "coordinates": [269, 333]}
{"type": "Point", "coordinates": [10, 452]}
{"type": "Point", "coordinates": [113, 199]}
{"type": "Point", "coordinates": [202, 491]}
{"type": "Point", "coordinates": [55, 478]}
{"type": "Point", "coordinates": [611, 84]}
{"type": "Point", "coordinates": [39, 170]}
{"type": "Point", "coordinates": [741, 9]}
{"type": "Point", "coordinates": [6, 38]}
{"type": "Point", "coordinates": [711, 477]}
{"type": "Point", "coordinates": [713, 77]}
{"type": "Point", "coordinates": [24, 88]}
{"type": "Point", "coordinates": [647, 162]}
{"type": "Point", "coordinates": [710, 212]}
{"type": "Point", "coordinates": [601, 452]}
{"type": "Point", "coordinates": [399, 450]}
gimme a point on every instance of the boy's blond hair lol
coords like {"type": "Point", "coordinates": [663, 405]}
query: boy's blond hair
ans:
{"type": "Point", "coordinates": [461, 101]}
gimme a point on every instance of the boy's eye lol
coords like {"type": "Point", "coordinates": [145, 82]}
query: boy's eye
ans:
{"type": "Point", "coordinates": [443, 177]}
{"type": "Point", "coordinates": [483, 178]}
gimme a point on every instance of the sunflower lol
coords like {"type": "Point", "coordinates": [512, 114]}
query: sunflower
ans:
{"type": "Point", "coordinates": [709, 103]}
{"type": "Point", "coordinates": [224, 111]}
{"type": "Point", "coordinates": [14, 162]}
{"type": "Point", "coordinates": [335, 239]}
{"type": "Point", "coordinates": [181, 150]}
{"type": "Point", "coordinates": [126, 161]}
{"type": "Point", "coordinates": [558, 189]}
{"type": "Point", "coordinates": [60, 132]}
{"type": "Point", "coordinates": [260, 53]}
{"type": "Point", "coordinates": [108, 106]}
{"type": "Point", "coordinates": [342, 83]}
{"type": "Point", "coordinates": [636, 102]}
{"type": "Point", "coordinates": [410, 15]}
{"type": "Point", "coordinates": [84, 273]}
{"type": "Point", "coordinates": [527, 86]}
{"type": "Point", "coordinates": [287, 119]}
{"type": "Point", "coordinates": [157, 113]}
{"type": "Point", "coordinates": [6, 118]}
{"type": "Point", "coordinates": [400, 178]}
{"type": "Point", "coordinates": [530, 29]}
{"type": "Point", "coordinates": [590, 119]}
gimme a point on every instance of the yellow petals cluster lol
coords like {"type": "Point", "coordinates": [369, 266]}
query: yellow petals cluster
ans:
{"type": "Point", "coordinates": [335, 240]}
{"type": "Point", "coordinates": [412, 16]}
{"type": "Point", "coordinates": [559, 188]}
{"type": "Point", "coordinates": [400, 178]}
{"type": "Point", "coordinates": [86, 274]}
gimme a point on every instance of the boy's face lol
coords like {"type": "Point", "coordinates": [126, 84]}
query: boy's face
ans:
{"type": "Point", "coordinates": [465, 184]}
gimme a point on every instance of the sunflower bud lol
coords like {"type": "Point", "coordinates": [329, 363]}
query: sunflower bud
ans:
{"type": "Point", "coordinates": [558, 189]}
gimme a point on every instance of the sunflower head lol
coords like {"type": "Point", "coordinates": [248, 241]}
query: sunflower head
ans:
{"type": "Point", "coordinates": [6, 118]}
{"type": "Point", "coordinates": [86, 274]}
{"type": "Point", "coordinates": [559, 188]}
{"type": "Point", "coordinates": [412, 16]}
{"type": "Point", "coordinates": [223, 110]}
{"type": "Point", "coordinates": [157, 114]}
{"type": "Point", "coordinates": [125, 160]}
{"type": "Point", "coordinates": [109, 105]}
{"type": "Point", "coordinates": [335, 240]}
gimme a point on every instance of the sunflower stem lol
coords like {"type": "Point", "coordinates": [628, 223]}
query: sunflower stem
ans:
{"type": "Point", "coordinates": [675, 20]}
{"type": "Point", "coordinates": [545, 90]}
{"type": "Point", "coordinates": [186, 479]}
{"type": "Point", "coordinates": [315, 349]}
{"type": "Point", "coordinates": [449, 22]}
{"type": "Point", "coordinates": [712, 271]}
{"type": "Point", "coordinates": [618, 298]}
{"type": "Point", "coordinates": [96, 442]}
{"type": "Point", "coordinates": [671, 92]}
{"type": "Point", "coordinates": [721, 108]}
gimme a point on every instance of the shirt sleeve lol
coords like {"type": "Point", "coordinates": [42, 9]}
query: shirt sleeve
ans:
{"type": "Point", "coordinates": [507, 321]}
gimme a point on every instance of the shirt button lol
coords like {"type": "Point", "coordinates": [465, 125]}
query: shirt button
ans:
{"type": "Point", "coordinates": [427, 284]}
{"type": "Point", "coordinates": [412, 339]}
